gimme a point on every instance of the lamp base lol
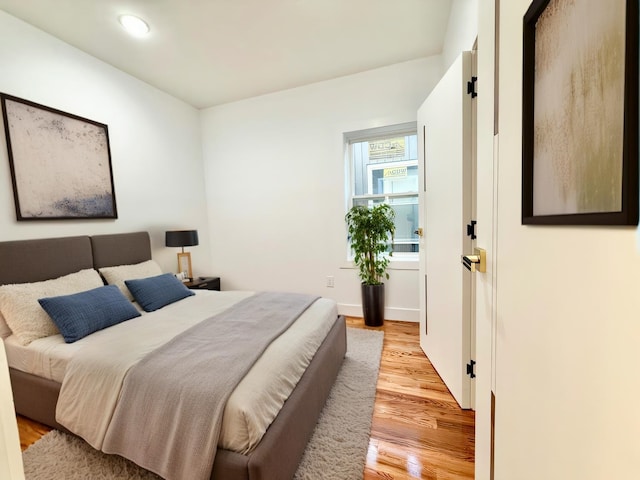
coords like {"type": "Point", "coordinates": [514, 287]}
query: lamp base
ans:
{"type": "Point", "coordinates": [184, 264]}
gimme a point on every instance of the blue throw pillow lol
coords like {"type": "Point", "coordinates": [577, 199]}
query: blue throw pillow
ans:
{"type": "Point", "coordinates": [81, 314]}
{"type": "Point", "coordinates": [155, 292]}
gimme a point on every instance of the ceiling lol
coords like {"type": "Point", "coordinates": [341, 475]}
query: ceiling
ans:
{"type": "Point", "coordinates": [209, 52]}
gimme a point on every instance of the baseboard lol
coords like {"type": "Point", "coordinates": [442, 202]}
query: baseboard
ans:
{"type": "Point", "coordinates": [390, 313]}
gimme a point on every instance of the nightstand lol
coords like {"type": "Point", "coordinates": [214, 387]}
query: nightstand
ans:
{"type": "Point", "coordinates": [204, 283]}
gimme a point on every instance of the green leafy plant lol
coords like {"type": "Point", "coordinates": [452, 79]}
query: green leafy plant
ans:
{"type": "Point", "coordinates": [371, 230]}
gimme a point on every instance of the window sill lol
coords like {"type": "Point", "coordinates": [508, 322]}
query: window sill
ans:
{"type": "Point", "coordinates": [393, 265]}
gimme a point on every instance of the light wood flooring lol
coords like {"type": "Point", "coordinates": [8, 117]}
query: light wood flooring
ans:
{"type": "Point", "coordinates": [418, 429]}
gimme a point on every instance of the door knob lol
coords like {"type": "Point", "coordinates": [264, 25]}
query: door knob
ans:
{"type": "Point", "coordinates": [418, 232]}
{"type": "Point", "coordinates": [477, 261]}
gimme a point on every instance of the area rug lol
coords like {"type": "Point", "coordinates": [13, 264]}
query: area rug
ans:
{"type": "Point", "coordinates": [337, 450]}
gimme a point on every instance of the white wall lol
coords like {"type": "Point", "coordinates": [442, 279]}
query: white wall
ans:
{"type": "Point", "coordinates": [275, 175]}
{"type": "Point", "coordinates": [462, 30]}
{"type": "Point", "coordinates": [568, 324]}
{"type": "Point", "coordinates": [155, 142]}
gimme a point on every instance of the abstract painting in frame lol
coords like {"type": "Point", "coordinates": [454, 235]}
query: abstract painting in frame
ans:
{"type": "Point", "coordinates": [60, 163]}
{"type": "Point", "coordinates": [580, 113]}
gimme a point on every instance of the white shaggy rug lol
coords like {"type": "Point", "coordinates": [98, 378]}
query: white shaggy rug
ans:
{"type": "Point", "coordinates": [337, 450]}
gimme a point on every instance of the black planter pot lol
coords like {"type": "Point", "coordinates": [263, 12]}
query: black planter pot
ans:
{"type": "Point", "coordinates": [373, 304]}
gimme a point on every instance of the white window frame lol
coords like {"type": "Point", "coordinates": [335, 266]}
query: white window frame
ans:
{"type": "Point", "coordinates": [399, 260]}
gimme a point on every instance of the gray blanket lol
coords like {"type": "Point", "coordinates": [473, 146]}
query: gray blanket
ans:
{"type": "Point", "coordinates": [170, 409]}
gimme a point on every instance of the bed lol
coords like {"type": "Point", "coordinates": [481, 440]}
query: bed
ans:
{"type": "Point", "coordinates": [36, 395]}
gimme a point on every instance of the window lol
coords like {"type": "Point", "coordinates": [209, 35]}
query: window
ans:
{"type": "Point", "coordinates": [383, 166]}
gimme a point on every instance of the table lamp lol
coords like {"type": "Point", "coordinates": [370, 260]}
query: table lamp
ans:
{"type": "Point", "coordinates": [182, 238]}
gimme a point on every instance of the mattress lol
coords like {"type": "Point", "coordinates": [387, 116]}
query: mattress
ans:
{"type": "Point", "coordinates": [256, 400]}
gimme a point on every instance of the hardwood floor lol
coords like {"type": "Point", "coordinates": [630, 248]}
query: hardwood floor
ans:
{"type": "Point", "coordinates": [30, 431]}
{"type": "Point", "coordinates": [418, 430]}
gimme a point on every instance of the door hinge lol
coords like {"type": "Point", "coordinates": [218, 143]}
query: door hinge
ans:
{"type": "Point", "coordinates": [471, 229]}
{"type": "Point", "coordinates": [471, 87]}
{"type": "Point", "coordinates": [471, 369]}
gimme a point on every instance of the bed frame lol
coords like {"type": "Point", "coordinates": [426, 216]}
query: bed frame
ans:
{"type": "Point", "coordinates": [280, 450]}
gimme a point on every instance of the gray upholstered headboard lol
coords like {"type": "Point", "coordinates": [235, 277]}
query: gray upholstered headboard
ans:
{"type": "Point", "coordinates": [23, 261]}
{"type": "Point", "coordinates": [120, 249]}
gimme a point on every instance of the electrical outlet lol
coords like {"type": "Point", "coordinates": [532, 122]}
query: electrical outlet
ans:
{"type": "Point", "coordinates": [330, 281]}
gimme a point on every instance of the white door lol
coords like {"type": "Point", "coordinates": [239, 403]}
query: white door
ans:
{"type": "Point", "coordinates": [444, 130]}
{"type": "Point", "coordinates": [10, 457]}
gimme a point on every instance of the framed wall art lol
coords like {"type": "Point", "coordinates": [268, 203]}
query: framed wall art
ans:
{"type": "Point", "coordinates": [60, 163]}
{"type": "Point", "coordinates": [580, 113]}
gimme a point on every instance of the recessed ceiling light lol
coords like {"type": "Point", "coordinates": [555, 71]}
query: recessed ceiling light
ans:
{"type": "Point", "coordinates": [134, 25]}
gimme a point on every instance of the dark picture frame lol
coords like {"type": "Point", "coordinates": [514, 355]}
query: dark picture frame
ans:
{"type": "Point", "coordinates": [580, 113]}
{"type": "Point", "coordinates": [60, 163]}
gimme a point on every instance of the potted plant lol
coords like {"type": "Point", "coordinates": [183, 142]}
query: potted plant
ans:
{"type": "Point", "coordinates": [371, 230]}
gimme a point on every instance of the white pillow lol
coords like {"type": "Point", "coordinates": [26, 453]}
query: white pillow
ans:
{"type": "Point", "coordinates": [117, 275]}
{"type": "Point", "coordinates": [24, 315]}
